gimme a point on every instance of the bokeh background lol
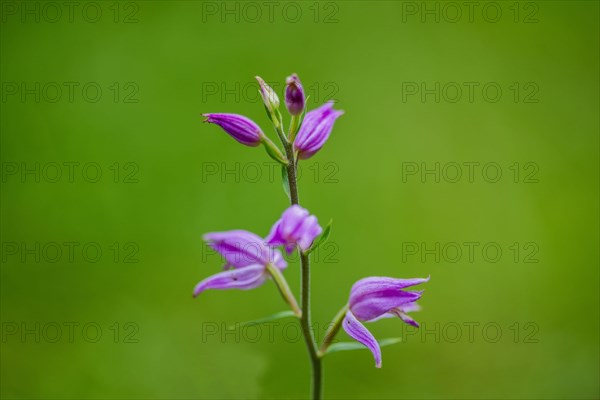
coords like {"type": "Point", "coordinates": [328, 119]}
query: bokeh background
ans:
{"type": "Point", "coordinates": [122, 323]}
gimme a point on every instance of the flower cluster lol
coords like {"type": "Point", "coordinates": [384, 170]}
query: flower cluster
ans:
{"type": "Point", "coordinates": [311, 137]}
{"type": "Point", "coordinates": [251, 260]}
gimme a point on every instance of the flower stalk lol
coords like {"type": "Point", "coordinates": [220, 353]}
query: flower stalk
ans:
{"type": "Point", "coordinates": [291, 172]}
{"type": "Point", "coordinates": [333, 329]}
{"type": "Point", "coordinates": [307, 332]}
{"type": "Point", "coordinates": [250, 260]}
{"type": "Point", "coordinates": [284, 289]}
{"type": "Point", "coordinates": [305, 321]}
{"type": "Point", "coordinates": [273, 151]}
{"type": "Point", "coordinates": [294, 124]}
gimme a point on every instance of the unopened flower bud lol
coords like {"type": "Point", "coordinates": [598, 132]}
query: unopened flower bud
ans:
{"type": "Point", "coordinates": [242, 129]}
{"type": "Point", "coordinates": [269, 96]}
{"type": "Point", "coordinates": [294, 95]}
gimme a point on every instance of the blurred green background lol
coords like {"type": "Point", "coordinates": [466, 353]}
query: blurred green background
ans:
{"type": "Point", "coordinates": [122, 324]}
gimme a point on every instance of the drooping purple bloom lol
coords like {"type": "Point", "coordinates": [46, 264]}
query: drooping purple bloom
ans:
{"type": "Point", "coordinates": [295, 228]}
{"type": "Point", "coordinates": [246, 256]}
{"type": "Point", "coordinates": [242, 129]}
{"type": "Point", "coordinates": [315, 130]}
{"type": "Point", "coordinates": [294, 95]}
{"type": "Point", "coordinates": [379, 297]}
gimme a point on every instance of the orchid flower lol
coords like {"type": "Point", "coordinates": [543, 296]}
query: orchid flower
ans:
{"type": "Point", "coordinates": [379, 297]}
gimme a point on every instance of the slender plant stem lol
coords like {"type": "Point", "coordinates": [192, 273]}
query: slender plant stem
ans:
{"type": "Point", "coordinates": [333, 330]}
{"type": "Point", "coordinates": [294, 127]}
{"type": "Point", "coordinates": [284, 289]}
{"type": "Point", "coordinates": [280, 134]}
{"type": "Point", "coordinates": [305, 322]}
{"type": "Point", "coordinates": [306, 328]}
{"type": "Point", "coordinates": [291, 173]}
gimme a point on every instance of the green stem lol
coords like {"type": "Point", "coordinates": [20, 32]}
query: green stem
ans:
{"type": "Point", "coordinates": [333, 329]}
{"type": "Point", "coordinates": [305, 322]}
{"type": "Point", "coordinates": [279, 129]}
{"type": "Point", "coordinates": [306, 328]}
{"type": "Point", "coordinates": [284, 289]}
{"type": "Point", "coordinates": [294, 127]}
{"type": "Point", "coordinates": [273, 151]}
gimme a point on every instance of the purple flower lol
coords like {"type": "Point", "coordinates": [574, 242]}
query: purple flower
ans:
{"type": "Point", "coordinates": [242, 129]}
{"type": "Point", "coordinates": [315, 130]}
{"type": "Point", "coordinates": [295, 228]}
{"type": "Point", "coordinates": [294, 95]}
{"type": "Point", "coordinates": [246, 256]}
{"type": "Point", "coordinates": [379, 297]}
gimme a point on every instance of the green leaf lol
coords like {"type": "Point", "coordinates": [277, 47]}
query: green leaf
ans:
{"type": "Point", "coordinates": [286, 182]}
{"type": "Point", "coordinates": [322, 239]}
{"type": "Point", "coordinates": [279, 315]}
{"type": "Point", "coordinates": [344, 346]}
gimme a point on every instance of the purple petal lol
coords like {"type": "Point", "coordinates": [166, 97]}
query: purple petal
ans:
{"type": "Point", "coordinates": [377, 284]}
{"type": "Point", "coordinates": [242, 248]}
{"type": "Point", "coordinates": [292, 219]}
{"type": "Point", "coordinates": [309, 230]}
{"type": "Point", "coordinates": [243, 278]}
{"type": "Point", "coordinates": [372, 297]}
{"type": "Point", "coordinates": [357, 331]}
{"type": "Point", "coordinates": [310, 134]}
{"type": "Point", "coordinates": [275, 237]}
{"type": "Point", "coordinates": [408, 320]}
{"type": "Point", "coordinates": [402, 311]}
{"type": "Point", "coordinates": [369, 308]}
{"type": "Point", "coordinates": [295, 228]}
{"type": "Point", "coordinates": [374, 283]}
